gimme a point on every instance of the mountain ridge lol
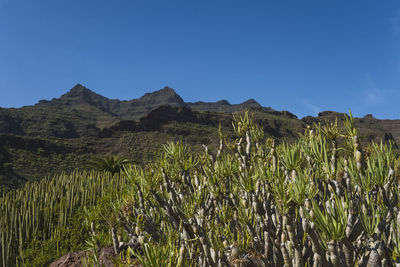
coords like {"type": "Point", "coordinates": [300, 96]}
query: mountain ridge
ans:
{"type": "Point", "coordinates": [102, 112]}
{"type": "Point", "coordinates": [63, 133]}
{"type": "Point", "coordinates": [81, 111]}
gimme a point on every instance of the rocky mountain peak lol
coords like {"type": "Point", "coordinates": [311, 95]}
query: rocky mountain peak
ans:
{"type": "Point", "coordinates": [81, 93]}
{"type": "Point", "coordinates": [163, 96]}
{"type": "Point", "coordinates": [82, 97]}
{"type": "Point", "coordinates": [251, 103]}
{"type": "Point", "coordinates": [223, 102]}
{"type": "Point", "coordinates": [78, 90]}
{"type": "Point", "coordinates": [166, 91]}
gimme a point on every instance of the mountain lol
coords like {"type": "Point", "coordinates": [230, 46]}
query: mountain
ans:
{"type": "Point", "coordinates": [135, 108]}
{"type": "Point", "coordinates": [81, 112]}
{"type": "Point", "coordinates": [63, 133]}
{"type": "Point", "coordinates": [83, 99]}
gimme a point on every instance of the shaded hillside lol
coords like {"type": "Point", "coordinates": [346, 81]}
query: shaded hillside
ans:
{"type": "Point", "coordinates": [63, 133]}
{"type": "Point", "coordinates": [32, 158]}
{"type": "Point", "coordinates": [82, 112]}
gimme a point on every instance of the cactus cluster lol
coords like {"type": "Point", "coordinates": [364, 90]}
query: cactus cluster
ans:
{"type": "Point", "coordinates": [38, 208]}
{"type": "Point", "coordinates": [321, 201]}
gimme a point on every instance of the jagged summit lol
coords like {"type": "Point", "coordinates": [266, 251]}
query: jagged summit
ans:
{"type": "Point", "coordinates": [167, 91]}
{"type": "Point", "coordinates": [251, 103]}
{"type": "Point", "coordinates": [78, 90]}
{"type": "Point", "coordinates": [135, 108]}
{"type": "Point", "coordinates": [84, 99]}
{"type": "Point", "coordinates": [103, 110]}
{"type": "Point", "coordinates": [163, 96]}
{"type": "Point", "coordinates": [78, 87]}
{"type": "Point", "coordinates": [224, 102]}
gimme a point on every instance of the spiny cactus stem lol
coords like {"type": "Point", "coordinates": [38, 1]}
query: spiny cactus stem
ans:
{"type": "Point", "coordinates": [206, 248]}
{"type": "Point", "coordinates": [248, 146]}
{"type": "Point", "coordinates": [285, 253]}
{"type": "Point", "coordinates": [374, 258]}
{"type": "Point", "coordinates": [318, 250]}
{"type": "Point", "coordinates": [333, 253]}
{"type": "Point", "coordinates": [140, 196]}
{"type": "Point", "coordinates": [221, 146]}
{"type": "Point", "coordinates": [298, 259]}
{"type": "Point", "coordinates": [267, 252]}
{"type": "Point", "coordinates": [348, 251]}
{"type": "Point", "coordinates": [115, 240]}
{"type": "Point", "coordinates": [239, 146]}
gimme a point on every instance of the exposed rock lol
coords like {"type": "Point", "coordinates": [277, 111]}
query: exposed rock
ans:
{"type": "Point", "coordinates": [75, 259]}
{"type": "Point", "coordinates": [309, 120]}
{"type": "Point", "coordinates": [106, 256]}
{"type": "Point", "coordinates": [222, 102]}
{"type": "Point", "coordinates": [251, 103]}
{"type": "Point", "coordinates": [78, 91]}
{"type": "Point", "coordinates": [164, 96]}
{"type": "Point", "coordinates": [330, 114]}
{"type": "Point", "coordinates": [155, 120]}
{"type": "Point", "coordinates": [368, 116]}
{"type": "Point", "coordinates": [72, 259]}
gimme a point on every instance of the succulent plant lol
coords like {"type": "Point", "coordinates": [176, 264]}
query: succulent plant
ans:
{"type": "Point", "coordinates": [321, 201]}
{"type": "Point", "coordinates": [41, 207]}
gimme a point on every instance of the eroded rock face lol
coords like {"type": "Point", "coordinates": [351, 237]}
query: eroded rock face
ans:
{"type": "Point", "coordinates": [74, 259]}
{"type": "Point", "coordinates": [106, 256]}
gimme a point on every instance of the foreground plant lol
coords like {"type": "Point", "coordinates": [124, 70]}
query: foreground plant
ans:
{"type": "Point", "coordinates": [36, 211]}
{"type": "Point", "coordinates": [322, 201]}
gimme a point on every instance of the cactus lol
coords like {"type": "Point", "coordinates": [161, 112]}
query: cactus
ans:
{"type": "Point", "coordinates": [33, 208]}
{"type": "Point", "coordinates": [320, 201]}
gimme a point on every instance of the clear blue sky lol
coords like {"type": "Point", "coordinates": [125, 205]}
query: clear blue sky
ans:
{"type": "Point", "coordinates": [302, 56]}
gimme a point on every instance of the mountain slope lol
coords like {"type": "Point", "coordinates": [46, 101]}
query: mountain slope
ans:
{"type": "Point", "coordinates": [81, 111]}
{"type": "Point", "coordinates": [63, 133]}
